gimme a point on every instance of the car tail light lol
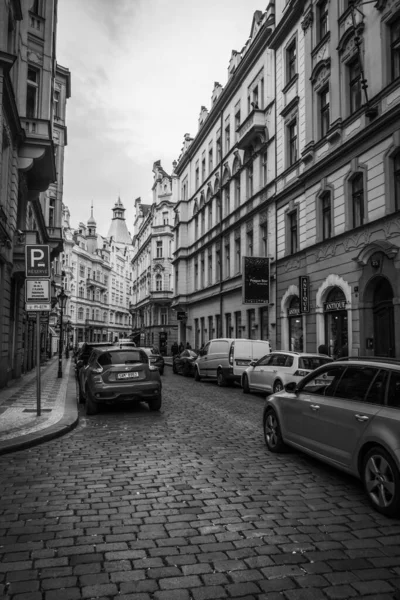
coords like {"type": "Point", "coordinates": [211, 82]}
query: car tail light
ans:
{"type": "Point", "coordinates": [153, 368]}
{"type": "Point", "coordinates": [301, 373]}
{"type": "Point", "coordinates": [97, 379]}
{"type": "Point", "coordinates": [231, 356]}
{"type": "Point", "coordinates": [97, 368]}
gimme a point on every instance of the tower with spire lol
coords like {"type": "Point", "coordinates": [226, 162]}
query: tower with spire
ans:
{"type": "Point", "coordinates": [91, 233]}
{"type": "Point", "coordinates": [118, 229]}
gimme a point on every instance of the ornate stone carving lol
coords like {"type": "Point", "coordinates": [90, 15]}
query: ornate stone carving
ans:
{"type": "Point", "coordinates": [308, 19]}
{"type": "Point", "coordinates": [263, 217]}
{"type": "Point", "coordinates": [326, 252]}
{"type": "Point", "coordinates": [292, 265]}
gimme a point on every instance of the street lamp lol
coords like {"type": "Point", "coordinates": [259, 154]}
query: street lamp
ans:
{"type": "Point", "coordinates": [62, 299]}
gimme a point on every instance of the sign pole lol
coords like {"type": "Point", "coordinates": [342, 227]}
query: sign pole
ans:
{"type": "Point", "coordinates": [38, 363]}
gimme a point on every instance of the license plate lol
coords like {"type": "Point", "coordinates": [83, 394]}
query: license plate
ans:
{"type": "Point", "coordinates": [127, 375]}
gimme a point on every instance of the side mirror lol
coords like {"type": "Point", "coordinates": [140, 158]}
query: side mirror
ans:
{"type": "Point", "coordinates": [79, 364]}
{"type": "Point", "coordinates": [291, 387]}
{"type": "Point", "coordinates": [253, 363]}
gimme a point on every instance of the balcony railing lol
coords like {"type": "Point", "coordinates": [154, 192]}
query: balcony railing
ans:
{"type": "Point", "coordinates": [54, 233]}
{"type": "Point", "coordinates": [251, 128]}
{"type": "Point", "coordinates": [96, 283]}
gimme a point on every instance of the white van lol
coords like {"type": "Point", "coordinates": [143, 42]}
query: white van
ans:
{"type": "Point", "coordinates": [225, 359]}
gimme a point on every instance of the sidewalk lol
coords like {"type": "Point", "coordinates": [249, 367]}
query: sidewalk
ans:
{"type": "Point", "coordinates": [20, 427]}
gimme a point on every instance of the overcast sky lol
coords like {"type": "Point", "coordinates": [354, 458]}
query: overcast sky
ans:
{"type": "Point", "coordinates": [140, 71]}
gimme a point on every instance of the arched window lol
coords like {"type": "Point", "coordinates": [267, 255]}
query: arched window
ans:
{"type": "Point", "coordinates": [357, 192]}
{"type": "Point", "coordinates": [295, 326]}
{"type": "Point", "coordinates": [105, 317]}
{"type": "Point", "coordinates": [336, 326]}
{"type": "Point", "coordinates": [158, 282]}
{"type": "Point", "coordinates": [87, 313]}
{"type": "Point", "coordinates": [80, 314]}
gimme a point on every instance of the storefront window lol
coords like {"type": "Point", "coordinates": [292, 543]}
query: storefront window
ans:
{"type": "Point", "coordinates": [295, 326]}
{"type": "Point", "coordinates": [336, 329]}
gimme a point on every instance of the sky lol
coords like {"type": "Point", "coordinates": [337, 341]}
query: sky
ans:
{"type": "Point", "coordinates": [140, 72]}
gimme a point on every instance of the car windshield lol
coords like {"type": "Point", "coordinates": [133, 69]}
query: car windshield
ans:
{"type": "Point", "coordinates": [312, 362]}
{"type": "Point", "coordinates": [126, 357]}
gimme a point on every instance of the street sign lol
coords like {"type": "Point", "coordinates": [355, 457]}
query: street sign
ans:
{"type": "Point", "coordinates": [37, 307]}
{"type": "Point", "coordinates": [37, 290]}
{"type": "Point", "coordinates": [181, 315]}
{"type": "Point", "coordinates": [37, 260]}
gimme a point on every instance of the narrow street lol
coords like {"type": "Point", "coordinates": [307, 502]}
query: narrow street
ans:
{"type": "Point", "coordinates": [187, 504]}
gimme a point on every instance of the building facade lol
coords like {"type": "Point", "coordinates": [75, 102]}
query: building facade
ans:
{"type": "Point", "coordinates": [338, 176]}
{"type": "Point", "coordinates": [225, 210]}
{"type": "Point", "coordinates": [98, 279]}
{"type": "Point", "coordinates": [154, 321]}
{"type": "Point", "coordinates": [27, 168]}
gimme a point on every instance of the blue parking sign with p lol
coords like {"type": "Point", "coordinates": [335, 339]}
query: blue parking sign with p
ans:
{"type": "Point", "coordinates": [37, 261]}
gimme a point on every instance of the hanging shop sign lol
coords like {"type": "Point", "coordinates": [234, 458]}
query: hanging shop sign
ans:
{"type": "Point", "coordinates": [255, 280]}
{"type": "Point", "coordinates": [304, 290]}
{"type": "Point", "coordinates": [181, 315]}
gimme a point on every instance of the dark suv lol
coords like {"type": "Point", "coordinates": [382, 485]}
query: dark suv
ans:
{"type": "Point", "coordinates": [346, 413]}
{"type": "Point", "coordinates": [82, 358]}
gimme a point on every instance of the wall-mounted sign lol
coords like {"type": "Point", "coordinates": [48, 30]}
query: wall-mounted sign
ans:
{"type": "Point", "coordinates": [293, 312]}
{"type": "Point", "coordinates": [180, 315]}
{"type": "Point", "coordinates": [255, 280]}
{"type": "Point", "coordinates": [37, 290]}
{"type": "Point", "coordinates": [304, 291]}
{"type": "Point", "coordinates": [338, 305]}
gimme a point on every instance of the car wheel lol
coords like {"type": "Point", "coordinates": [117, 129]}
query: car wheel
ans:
{"type": "Point", "coordinates": [186, 370]}
{"type": "Point", "coordinates": [81, 397]}
{"type": "Point", "coordinates": [278, 386]}
{"type": "Point", "coordinates": [174, 368]}
{"type": "Point", "coordinates": [197, 374]}
{"type": "Point", "coordinates": [90, 405]}
{"type": "Point", "coordinates": [381, 481]}
{"type": "Point", "coordinates": [272, 432]}
{"type": "Point", "coordinates": [221, 381]}
{"type": "Point", "coordinates": [246, 387]}
{"type": "Point", "coordinates": [155, 403]}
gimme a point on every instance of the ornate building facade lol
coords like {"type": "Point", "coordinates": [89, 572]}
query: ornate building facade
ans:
{"type": "Point", "coordinates": [28, 166]}
{"type": "Point", "coordinates": [338, 176]}
{"type": "Point", "coordinates": [154, 321]}
{"type": "Point", "coordinates": [98, 279]}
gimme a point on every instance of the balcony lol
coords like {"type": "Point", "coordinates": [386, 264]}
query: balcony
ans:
{"type": "Point", "coordinates": [161, 296]}
{"type": "Point", "coordinates": [36, 25]}
{"type": "Point", "coordinates": [55, 240]}
{"type": "Point", "coordinates": [90, 282]}
{"type": "Point", "coordinates": [252, 129]}
{"type": "Point", "coordinates": [95, 323]}
{"type": "Point", "coordinates": [36, 154]}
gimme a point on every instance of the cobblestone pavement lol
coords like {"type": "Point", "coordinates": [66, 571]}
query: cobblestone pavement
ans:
{"type": "Point", "coordinates": [187, 504]}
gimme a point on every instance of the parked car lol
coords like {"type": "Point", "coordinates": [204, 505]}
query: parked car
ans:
{"type": "Point", "coordinates": [272, 372]}
{"type": "Point", "coordinates": [346, 413]}
{"type": "Point", "coordinates": [225, 359]}
{"type": "Point", "coordinates": [184, 363]}
{"type": "Point", "coordinates": [116, 374]}
{"type": "Point", "coordinates": [82, 357]}
{"type": "Point", "coordinates": [155, 358]}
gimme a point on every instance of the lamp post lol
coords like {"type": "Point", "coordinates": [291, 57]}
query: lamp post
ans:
{"type": "Point", "coordinates": [62, 299]}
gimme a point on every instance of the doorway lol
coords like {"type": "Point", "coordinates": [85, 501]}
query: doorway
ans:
{"type": "Point", "coordinates": [383, 317]}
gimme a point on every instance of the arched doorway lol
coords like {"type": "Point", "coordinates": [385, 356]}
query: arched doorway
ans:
{"type": "Point", "coordinates": [383, 317]}
{"type": "Point", "coordinates": [295, 326]}
{"type": "Point", "coordinates": [336, 323]}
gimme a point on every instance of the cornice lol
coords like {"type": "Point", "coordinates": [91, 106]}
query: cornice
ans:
{"type": "Point", "coordinates": [292, 14]}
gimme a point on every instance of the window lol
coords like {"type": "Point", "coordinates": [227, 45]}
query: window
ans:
{"type": "Point", "coordinates": [292, 142]}
{"type": "Point", "coordinates": [227, 203]}
{"type": "Point", "coordinates": [249, 243]}
{"type": "Point", "coordinates": [250, 173]}
{"type": "Point", "coordinates": [197, 177]}
{"type": "Point", "coordinates": [159, 249]}
{"type": "Point", "coordinates": [255, 98]}
{"type": "Point", "coordinates": [203, 169]}
{"type": "Point", "coordinates": [324, 111]}
{"type": "Point", "coordinates": [264, 168]}
{"type": "Point", "coordinates": [355, 86]}
{"type": "Point", "coordinates": [165, 218]}
{"type": "Point", "coordinates": [264, 239]}
{"type": "Point", "coordinates": [396, 165]}
{"type": "Point", "coordinates": [291, 61]}
{"type": "Point", "coordinates": [357, 189]}
{"type": "Point", "coordinates": [56, 99]}
{"type": "Point", "coordinates": [237, 123]}
{"type": "Point", "coordinates": [37, 7]}
{"type": "Point", "coordinates": [227, 259]}
{"type": "Point", "coordinates": [292, 232]}
{"type": "Point", "coordinates": [323, 26]}
{"type": "Point", "coordinates": [203, 221]}
{"type": "Point", "coordinates": [227, 138]}
{"type": "Point", "coordinates": [325, 383]}
{"type": "Point", "coordinates": [217, 264]}
{"type": "Point", "coordinates": [32, 92]}
{"type": "Point", "coordinates": [196, 274]}
{"type": "Point", "coordinates": [210, 216]}
{"type": "Point", "coordinates": [210, 160]}
{"type": "Point", "coordinates": [237, 190]}
{"type": "Point", "coordinates": [394, 390]}
{"type": "Point", "coordinates": [355, 383]}
{"type": "Point", "coordinates": [81, 271]}
{"type": "Point", "coordinates": [202, 271]}
{"type": "Point", "coordinates": [209, 265]}
{"type": "Point", "coordinates": [219, 150]}
{"type": "Point", "coordinates": [196, 228]}
{"type": "Point", "coordinates": [326, 216]}
{"type": "Point", "coordinates": [395, 49]}
{"type": "Point", "coordinates": [158, 282]}
{"type": "Point", "coordinates": [238, 255]}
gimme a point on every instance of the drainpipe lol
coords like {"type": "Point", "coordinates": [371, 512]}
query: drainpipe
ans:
{"type": "Point", "coordinates": [276, 215]}
{"type": "Point", "coordinates": [219, 333]}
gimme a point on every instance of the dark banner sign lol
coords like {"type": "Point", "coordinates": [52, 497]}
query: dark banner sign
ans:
{"type": "Point", "coordinates": [338, 305]}
{"type": "Point", "coordinates": [181, 315]}
{"type": "Point", "coordinates": [255, 280]}
{"type": "Point", "coordinates": [293, 312]}
{"type": "Point", "coordinates": [304, 291]}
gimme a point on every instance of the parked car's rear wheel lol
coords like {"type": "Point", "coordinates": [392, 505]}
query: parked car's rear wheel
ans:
{"type": "Point", "coordinates": [155, 403]}
{"type": "Point", "coordinates": [81, 397]}
{"type": "Point", "coordinates": [186, 369]}
{"type": "Point", "coordinates": [272, 432]}
{"type": "Point", "coordinates": [174, 368]}
{"type": "Point", "coordinates": [278, 386]}
{"type": "Point", "coordinates": [90, 405]}
{"type": "Point", "coordinates": [246, 387]}
{"type": "Point", "coordinates": [381, 480]}
{"type": "Point", "coordinates": [197, 376]}
{"type": "Point", "coordinates": [221, 379]}
{"type": "Point", "coordinates": [161, 371]}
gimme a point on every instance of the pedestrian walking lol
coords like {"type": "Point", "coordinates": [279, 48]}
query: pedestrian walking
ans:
{"type": "Point", "coordinates": [174, 349]}
{"type": "Point", "coordinates": [181, 348]}
{"type": "Point", "coordinates": [188, 346]}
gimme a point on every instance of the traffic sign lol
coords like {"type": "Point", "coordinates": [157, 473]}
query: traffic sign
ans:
{"type": "Point", "coordinates": [37, 260]}
{"type": "Point", "coordinates": [37, 307]}
{"type": "Point", "coordinates": [37, 290]}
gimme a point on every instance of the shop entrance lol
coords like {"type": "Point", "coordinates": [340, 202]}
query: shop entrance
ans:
{"type": "Point", "coordinates": [383, 318]}
{"type": "Point", "coordinates": [336, 325]}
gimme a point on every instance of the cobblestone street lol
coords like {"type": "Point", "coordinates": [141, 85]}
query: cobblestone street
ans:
{"type": "Point", "coordinates": [187, 504]}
